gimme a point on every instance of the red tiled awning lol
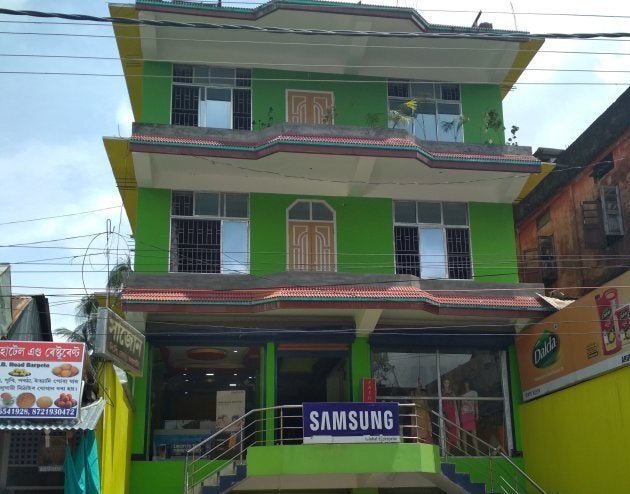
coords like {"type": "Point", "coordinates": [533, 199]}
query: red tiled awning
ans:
{"type": "Point", "coordinates": [260, 300]}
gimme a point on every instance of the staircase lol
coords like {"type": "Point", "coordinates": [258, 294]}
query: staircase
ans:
{"type": "Point", "coordinates": [225, 479]}
{"type": "Point", "coordinates": [217, 465]}
{"type": "Point", "coordinates": [463, 480]}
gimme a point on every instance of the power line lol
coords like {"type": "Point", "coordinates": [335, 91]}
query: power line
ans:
{"type": "Point", "coordinates": [421, 11]}
{"type": "Point", "coordinates": [485, 35]}
{"type": "Point", "coordinates": [58, 216]}
{"type": "Point", "coordinates": [528, 83]}
{"type": "Point", "coordinates": [320, 66]}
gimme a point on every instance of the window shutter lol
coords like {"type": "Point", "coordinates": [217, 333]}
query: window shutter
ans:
{"type": "Point", "coordinates": [592, 225]}
{"type": "Point", "coordinates": [611, 209]}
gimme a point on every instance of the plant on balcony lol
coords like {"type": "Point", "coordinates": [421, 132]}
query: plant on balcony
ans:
{"type": "Point", "coordinates": [455, 125]}
{"type": "Point", "coordinates": [261, 124]}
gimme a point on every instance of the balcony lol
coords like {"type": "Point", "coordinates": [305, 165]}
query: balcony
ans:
{"type": "Point", "coordinates": [319, 160]}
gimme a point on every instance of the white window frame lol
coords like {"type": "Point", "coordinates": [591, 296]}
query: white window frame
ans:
{"type": "Point", "coordinates": [443, 227]}
{"type": "Point", "coordinates": [222, 218]}
{"type": "Point", "coordinates": [204, 87]}
{"type": "Point", "coordinates": [414, 126]}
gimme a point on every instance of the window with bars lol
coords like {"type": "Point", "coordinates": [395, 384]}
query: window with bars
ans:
{"type": "Point", "coordinates": [209, 232]}
{"type": "Point", "coordinates": [435, 113]}
{"type": "Point", "coordinates": [211, 97]}
{"type": "Point", "coordinates": [432, 239]}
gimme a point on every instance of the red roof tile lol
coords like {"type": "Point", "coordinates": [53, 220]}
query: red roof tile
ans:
{"type": "Point", "coordinates": [329, 294]}
{"type": "Point", "coordinates": [392, 143]}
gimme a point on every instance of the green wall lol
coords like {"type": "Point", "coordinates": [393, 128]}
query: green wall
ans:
{"type": "Point", "coordinates": [361, 368]}
{"type": "Point", "coordinates": [356, 101]}
{"type": "Point", "coordinates": [364, 233]}
{"type": "Point", "coordinates": [342, 459]}
{"type": "Point", "coordinates": [353, 100]}
{"type": "Point", "coordinates": [153, 231]}
{"type": "Point", "coordinates": [493, 242]}
{"type": "Point", "coordinates": [477, 99]}
{"type": "Point", "coordinates": [156, 477]}
{"type": "Point", "coordinates": [156, 93]}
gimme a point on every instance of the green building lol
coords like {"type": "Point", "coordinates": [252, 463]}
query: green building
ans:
{"type": "Point", "coordinates": [321, 200]}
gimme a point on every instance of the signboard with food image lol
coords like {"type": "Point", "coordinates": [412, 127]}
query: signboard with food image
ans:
{"type": "Point", "coordinates": [40, 379]}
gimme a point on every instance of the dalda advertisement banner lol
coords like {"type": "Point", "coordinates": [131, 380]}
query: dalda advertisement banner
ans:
{"type": "Point", "coordinates": [589, 337]}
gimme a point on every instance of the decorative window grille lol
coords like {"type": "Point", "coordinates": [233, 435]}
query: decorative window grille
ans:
{"type": "Point", "coordinates": [432, 239]}
{"type": "Point", "coordinates": [209, 232]}
{"type": "Point", "coordinates": [211, 97]}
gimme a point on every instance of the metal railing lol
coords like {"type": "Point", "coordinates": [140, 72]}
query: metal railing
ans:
{"type": "Point", "coordinates": [487, 463]}
{"type": "Point", "coordinates": [226, 449]}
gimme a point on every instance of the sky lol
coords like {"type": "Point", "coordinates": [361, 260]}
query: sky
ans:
{"type": "Point", "coordinates": [58, 196]}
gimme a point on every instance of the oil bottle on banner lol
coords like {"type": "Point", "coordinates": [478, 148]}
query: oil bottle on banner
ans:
{"type": "Point", "coordinates": [610, 317]}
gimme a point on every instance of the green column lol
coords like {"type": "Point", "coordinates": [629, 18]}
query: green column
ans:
{"type": "Point", "coordinates": [360, 365]}
{"type": "Point", "coordinates": [269, 394]}
{"type": "Point", "coordinates": [142, 396]}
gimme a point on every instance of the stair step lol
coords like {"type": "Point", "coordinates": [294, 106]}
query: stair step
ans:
{"type": "Point", "coordinates": [462, 479]}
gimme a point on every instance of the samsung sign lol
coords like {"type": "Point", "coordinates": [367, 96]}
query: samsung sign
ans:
{"type": "Point", "coordinates": [351, 423]}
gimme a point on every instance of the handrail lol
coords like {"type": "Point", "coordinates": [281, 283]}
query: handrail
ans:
{"type": "Point", "coordinates": [229, 445]}
{"type": "Point", "coordinates": [497, 450]}
{"type": "Point", "coordinates": [240, 429]}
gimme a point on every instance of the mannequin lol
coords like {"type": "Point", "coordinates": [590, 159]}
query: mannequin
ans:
{"type": "Point", "coordinates": [450, 410]}
{"type": "Point", "coordinates": [469, 414]}
{"type": "Point", "coordinates": [424, 428]}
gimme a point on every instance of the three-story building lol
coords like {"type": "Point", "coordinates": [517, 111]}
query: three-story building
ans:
{"type": "Point", "coordinates": [320, 195]}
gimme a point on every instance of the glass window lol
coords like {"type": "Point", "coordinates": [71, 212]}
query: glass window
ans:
{"type": "Point", "coordinates": [321, 212]}
{"type": "Point", "coordinates": [432, 256]}
{"type": "Point", "coordinates": [233, 254]}
{"type": "Point", "coordinates": [438, 245]}
{"type": "Point", "coordinates": [405, 211]}
{"type": "Point", "coordinates": [200, 75]}
{"type": "Point", "coordinates": [425, 123]}
{"type": "Point", "coordinates": [236, 206]}
{"type": "Point", "coordinates": [216, 110]}
{"type": "Point", "coordinates": [423, 90]}
{"type": "Point", "coordinates": [465, 387]}
{"type": "Point", "coordinates": [203, 245]}
{"type": "Point", "coordinates": [435, 113]}
{"type": "Point", "coordinates": [207, 204]}
{"type": "Point", "coordinates": [455, 213]}
{"type": "Point", "coordinates": [208, 97]}
{"type": "Point", "coordinates": [300, 211]}
{"type": "Point", "coordinates": [429, 212]}
{"type": "Point", "coordinates": [449, 92]}
{"type": "Point", "coordinates": [398, 89]}
{"type": "Point", "coordinates": [221, 76]}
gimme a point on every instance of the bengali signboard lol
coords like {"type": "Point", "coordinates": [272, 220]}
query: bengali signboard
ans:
{"type": "Point", "coordinates": [351, 422]}
{"type": "Point", "coordinates": [589, 337]}
{"type": "Point", "coordinates": [118, 341]}
{"type": "Point", "coordinates": [40, 380]}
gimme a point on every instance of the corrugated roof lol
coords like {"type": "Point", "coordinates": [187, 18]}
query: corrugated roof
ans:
{"type": "Point", "coordinates": [89, 417]}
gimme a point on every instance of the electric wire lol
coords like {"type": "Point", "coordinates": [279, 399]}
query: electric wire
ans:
{"type": "Point", "coordinates": [482, 35]}
{"type": "Point", "coordinates": [306, 65]}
